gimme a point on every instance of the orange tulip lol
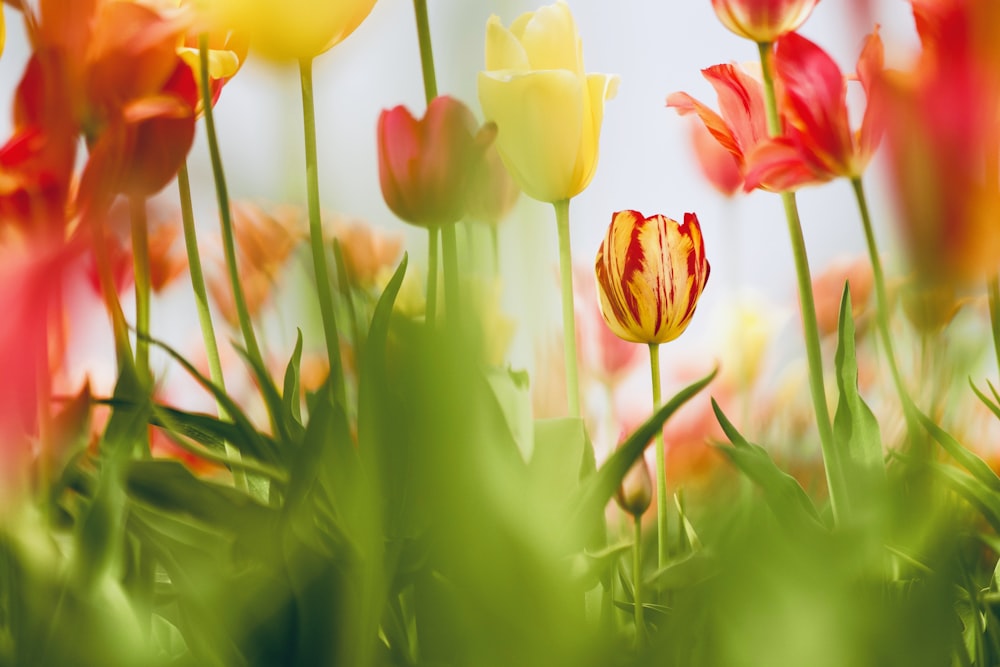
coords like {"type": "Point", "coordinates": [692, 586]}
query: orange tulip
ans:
{"type": "Point", "coordinates": [650, 273]}
{"type": "Point", "coordinates": [425, 165]}
{"type": "Point", "coordinates": [763, 20]}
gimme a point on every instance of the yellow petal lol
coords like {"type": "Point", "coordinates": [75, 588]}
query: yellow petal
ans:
{"type": "Point", "coordinates": [600, 87]}
{"type": "Point", "coordinates": [551, 40]}
{"type": "Point", "coordinates": [539, 117]}
{"type": "Point", "coordinates": [503, 50]}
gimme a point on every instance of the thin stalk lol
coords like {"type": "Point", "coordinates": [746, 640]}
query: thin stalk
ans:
{"type": "Point", "coordinates": [495, 246]}
{"type": "Point", "coordinates": [201, 305]}
{"type": "Point", "coordinates": [810, 329]}
{"type": "Point", "coordinates": [882, 313]}
{"type": "Point", "coordinates": [662, 527]}
{"type": "Point", "coordinates": [426, 52]}
{"type": "Point", "coordinates": [123, 347]}
{"type": "Point", "coordinates": [994, 292]}
{"type": "Point", "coordinates": [225, 213]}
{"type": "Point", "coordinates": [316, 234]}
{"type": "Point", "coordinates": [568, 314]}
{"type": "Point", "coordinates": [640, 625]}
{"type": "Point", "coordinates": [449, 251]}
{"type": "Point", "coordinates": [143, 289]}
{"type": "Point", "coordinates": [430, 310]}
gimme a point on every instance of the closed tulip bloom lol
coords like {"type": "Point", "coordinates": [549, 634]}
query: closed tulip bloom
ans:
{"type": "Point", "coordinates": [650, 273]}
{"type": "Point", "coordinates": [763, 20]}
{"type": "Point", "coordinates": [425, 165]}
{"type": "Point", "coordinates": [548, 110]}
{"type": "Point", "coordinates": [292, 29]}
{"type": "Point", "coordinates": [635, 493]}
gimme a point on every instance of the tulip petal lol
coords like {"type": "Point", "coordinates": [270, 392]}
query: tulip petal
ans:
{"type": "Point", "coordinates": [741, 103]}
{"type": "Point", "coordinates": [870, 66]}
{"type": "Point", "coordinates": [503, 49]}
{"type": "Point", "coordinates": [550, 39]}
{"type": "Point", "coordinates": [778, 165]}
{"type": "Point", "coordinates": [539, 118]}
{"type": "Point", "coordinates": [815, 93]}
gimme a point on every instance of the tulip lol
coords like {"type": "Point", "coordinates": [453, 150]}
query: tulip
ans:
{"type": "Point", "coordinates": [547, 109]}
{"type": "Point", "coordinates": [493, 192]}
{"type": "Point", "coordinates": [425, 165]}
{"type": "Point", "coordinates": [292, 29]}
{"type": "Point", "coordinates": [817, 143]}
{"type": "Point", "coordinates": [717, 164]}
{"type": "Point", "coordinates": [635, 492]}
{"type": "Point", "coordinates": [741, 125]}
{"type": "Point", "coordinates": [650, 273]}
{"type": "Point", "coordinates": [763, 21]}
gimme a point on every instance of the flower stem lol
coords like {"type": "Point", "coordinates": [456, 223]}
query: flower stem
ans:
{"type": "Point", "coordinates": [143, 290]}
{"type": "Point", "coordinates": [316, 234]}
{"type": "Point", "coordinates": [430, 310]}
{"type": "Point", "coordinates": [883, 306]}
{"type": "Point", "coordinates": [640, 625]}
{"type": "Point", "coordinates": [225, 213]}
{"type": "Point", "coordinates": [201, 305]}
{"type": "Point", "coordinates": [426, 52]}
{"type": "Point", "coordinates": [495, 247]}
{"type": "Point", "coordinates": [994, 291]}
{"type": "Point", "coordinates": [662, 532]}
{"type": "Point", "coordinates": [449, 251]}
{"type": "Point", "coordinates": [568, 314]}
{"type": "Point", "coordinates": [831, 457]}
{"type": "Point", "coordinates": [109, 291]}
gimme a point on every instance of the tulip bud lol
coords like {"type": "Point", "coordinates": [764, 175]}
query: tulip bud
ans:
{"type": "Point", "coordinates": [650, 273]}
{"type": "Point", "coordinates": [636, 491]}
{"type": "Point", "coordinates": [425, 165]}
{"type": "Point", "coordinates": [763, 20]}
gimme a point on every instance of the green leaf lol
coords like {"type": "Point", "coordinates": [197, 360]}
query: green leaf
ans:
{"type": "Point", "coordinates": [590, 567]}
{"type": "Point", "coordinates": [683, 572]}
{"type": "Point", "coordinates": [993, 405]}
{"type": "Point", "coordinates": [292, 384]}
{"type": "Point", "coordinates": [782, 492]}
{"type": "Point", "coordinates": [212, 432]}
{"type": "Point", "coordinates": [563, 455]}
{"type": "Point", "coordinates": [978, 494]}
{"type": "Point", "coordinates": [242, 422]}
{"type": "Point", "coordinates": [597, 490]}
{"type": "Point", "coordinates": [855, 428]}
{"type": "Point", "coordinates": [514, 399]}
{"type": "Point", "coordinates": [965, 457]}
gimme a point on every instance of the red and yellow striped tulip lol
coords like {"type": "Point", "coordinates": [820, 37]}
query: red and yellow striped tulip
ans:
{"type": "Point", "coordinates": [650, 273]}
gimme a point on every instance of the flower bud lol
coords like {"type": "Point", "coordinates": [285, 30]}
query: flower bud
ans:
{"type": "Point", "coordinates": [636, 491]}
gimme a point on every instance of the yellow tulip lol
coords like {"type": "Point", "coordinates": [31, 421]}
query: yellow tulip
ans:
{"type": "Point", "coordinates": [650, 273]}
{"type": "Point", "coordinates": [292, 29]}
{"type": "Point", "coordinates": [548, 111]}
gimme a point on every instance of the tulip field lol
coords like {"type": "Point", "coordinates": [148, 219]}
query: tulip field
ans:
{"type": "Point", "coordinates": [348, 458]}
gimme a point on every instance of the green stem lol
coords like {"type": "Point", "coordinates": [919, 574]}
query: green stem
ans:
{"type": "Point", "coordinates": [882, 299]}
{"type": "Point", "coordinates": [201, 305]}
{"type": "Point", "coordinates": [831, 457]}
{"type": "Point", "coordinates": [316, 234]}
{"type": "Point", "coordinates": [430, 310]}
{"type": "Point", "coordinates": [109, 291]}
{"type": "Point", "coordinates": [449, 251]}
{"type": "Point", "coordinates": [662, 532]}
{"type": "Point", "coordinates": [143, 289]}
{"type": "Point", "coordinates": [994, 291]}
{"type": "Point", "coordinates": [426, 52]}
{"type": "Point", "coordinates": [495, 246]}
{"type": "Point", "coordinates": [640, 625]}
{"type": "Point", "coordinates": [225, 213]}
{"type": "Point", "coordinates": [568, 314]}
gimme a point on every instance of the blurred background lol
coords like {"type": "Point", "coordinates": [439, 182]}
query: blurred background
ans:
{"type": "Point", "coordinates": [646, 162]}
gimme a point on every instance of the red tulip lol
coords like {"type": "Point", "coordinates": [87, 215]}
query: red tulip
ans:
{"type": "Point", "coordinates": [742, 124]}
{"type": "Point", "coordinates": [426, 165]}
{"type": "Point", "coordinates": [817, 143]}
{"type": "Point", "coordinates": [650, 273]}
{"type": "Point", "coordinates": [944, 142]}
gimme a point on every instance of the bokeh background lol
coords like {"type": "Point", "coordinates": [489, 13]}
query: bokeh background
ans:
{"type": "Point", "coordinates": [646, 158]}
